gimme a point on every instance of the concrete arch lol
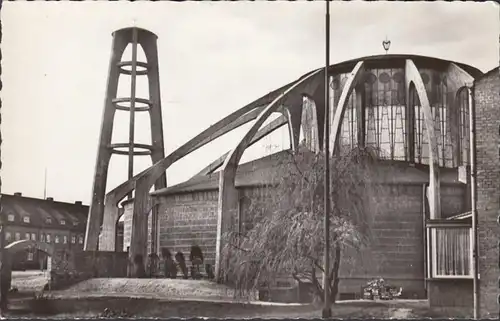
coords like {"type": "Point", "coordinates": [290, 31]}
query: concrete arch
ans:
{"type": "Point", "coordinates": [351, 83]}
{"type": "Point", "coordinates": [228, 195]}
{"type": "Point", "coordinates": [14, 247]}
{"type": "Point", "coordinates": [263, 132]}
{"type": "Point", "coordinates": [26, 244]}
{"type": "Point", "coordinates": [413, 78]}
{"type": "Point", "coordinates": [456, 79]}
{"type": "Point", "coordinates": [294, 121]}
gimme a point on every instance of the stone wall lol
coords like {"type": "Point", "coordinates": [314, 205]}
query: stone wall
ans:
{"type": "Point", "coordinates": [189, 219]}
{"type": "Point", "coordinates": [396, 250]}
{"type": "Point", "coordinates": [487, 104]}
{"type": "Point", "coordinates": [451, 293]}
{"type": "Point", "coordinates": [76, 267]}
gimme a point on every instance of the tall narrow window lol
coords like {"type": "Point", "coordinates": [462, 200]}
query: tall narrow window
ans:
{"type": "Point", "coordinates": [463, 125]}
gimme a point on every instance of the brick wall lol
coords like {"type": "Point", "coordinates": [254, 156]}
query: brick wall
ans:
{"type": "Point", "coordinates": [396, 250]}
{"type": "Point", "coordinates": [487, 102]}
{"type": "Point", "coordinates": [189, 219]}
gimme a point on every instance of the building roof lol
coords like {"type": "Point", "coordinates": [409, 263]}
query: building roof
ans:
{"type": "Point", "coordinates": [254, 173]}
{"type": "Point", "coordinates": [487, 74]}
{"type": "Point", "coordinates": [259, 173]}
{"type": "Point", "coordinates": [390, 59]}
{"type": "Point", "coordinates": [39, 210]}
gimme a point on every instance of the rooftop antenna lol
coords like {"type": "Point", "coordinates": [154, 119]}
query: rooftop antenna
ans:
{"type": "Point", "coordinates": [386, 44]}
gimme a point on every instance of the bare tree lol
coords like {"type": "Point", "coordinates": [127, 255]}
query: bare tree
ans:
{"type": "Point", "coordinates": [287, 237]}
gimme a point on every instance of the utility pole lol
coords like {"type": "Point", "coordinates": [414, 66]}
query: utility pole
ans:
{"type": "Point", "coordinates": [327, 312]}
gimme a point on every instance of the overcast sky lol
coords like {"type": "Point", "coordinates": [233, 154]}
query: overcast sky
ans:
{"type": "Point", "coordinates": [214, 58]}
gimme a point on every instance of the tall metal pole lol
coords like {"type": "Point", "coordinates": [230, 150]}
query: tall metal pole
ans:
{"type": "Point", "coordinates": [132, 108]}
{"type": "Point", "coordinates": [45, 185]}
{"type": "Point", "coordinates": [327, 312]}
{"type": "Point", "coordinates": [472, 141]}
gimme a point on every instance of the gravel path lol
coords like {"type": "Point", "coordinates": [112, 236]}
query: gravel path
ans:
{"type": "Point", "coordinates": [29, 281]}
{"type": "Point", "coordinates": [159, 288]}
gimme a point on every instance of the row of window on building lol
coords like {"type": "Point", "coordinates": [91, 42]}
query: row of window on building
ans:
{"type": "Point", "coordinates": [26, 219]}
{"type": "Point", "coordinates": [44, 238]}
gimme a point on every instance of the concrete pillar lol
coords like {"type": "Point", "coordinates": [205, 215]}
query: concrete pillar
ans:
{"type": "Point", "coordinates": [96, 209]}
{"type": "Point", "coordinates": [139, 232]}
{"type": "Point", "coordinates": [413, 78]}
{"type": "Point", "coordinates": [338, 117]}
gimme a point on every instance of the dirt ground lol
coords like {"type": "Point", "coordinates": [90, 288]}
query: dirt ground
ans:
{"type": "Point", "coordinates": [189, 298]}
{"type": "Point", "coordinates": [90, 306]}
{"type": "Point", "coordinates": [29, 281]}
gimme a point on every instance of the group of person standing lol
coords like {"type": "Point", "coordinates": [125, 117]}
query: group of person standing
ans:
{"type": "Point", "coordinates": [169, 265]}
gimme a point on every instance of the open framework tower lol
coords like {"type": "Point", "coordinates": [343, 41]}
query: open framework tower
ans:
{"type": "Point", "coordinates": [101, 226]}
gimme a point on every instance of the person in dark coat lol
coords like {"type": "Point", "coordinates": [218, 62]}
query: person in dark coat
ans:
{"type": "Point", "coordinates": [153, 260]}
{"type": "Point", "coordinates": [196, 258]}
{"type": "Point", "coordinates": [179, 257]}
{"type": "Point", "coordinates": [169, 266]}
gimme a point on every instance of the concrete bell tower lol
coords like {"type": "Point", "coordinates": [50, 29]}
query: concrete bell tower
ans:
{"type": "Point", "coordinates": [132, 105]}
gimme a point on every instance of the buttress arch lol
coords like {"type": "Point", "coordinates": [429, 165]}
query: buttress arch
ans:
{"type": "Point", "coordinates": [263, 132]}
{"type": "Point", "coordinates": [228, 194]}
{"type": "Point", "coordinates": [351, 83]}
{"type": "Point", "coordinates": [413, 78]}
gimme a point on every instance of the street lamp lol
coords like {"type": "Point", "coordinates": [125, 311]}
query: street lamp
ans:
{"type": "Point", "coordinates": [386, 44]}
{"type": "Point", "coordinates": [327, 312]}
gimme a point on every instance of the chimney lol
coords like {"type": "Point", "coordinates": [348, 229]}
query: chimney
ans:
{"type": "Point", "coordinates": [50, 198]}
{"type": "Point", "coordinates": [18, 194]}
{"type": "Point", "coordinates": [78, 203]}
